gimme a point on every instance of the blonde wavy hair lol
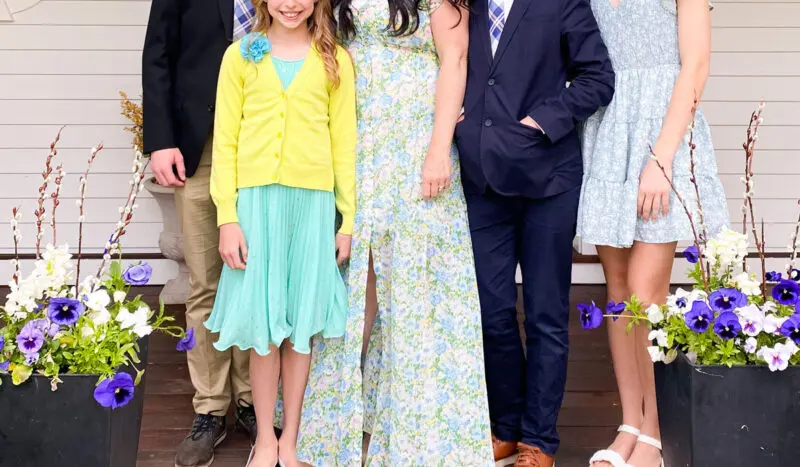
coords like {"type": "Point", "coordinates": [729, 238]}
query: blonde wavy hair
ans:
{"type": "Point", "coordinates": [321, 27]}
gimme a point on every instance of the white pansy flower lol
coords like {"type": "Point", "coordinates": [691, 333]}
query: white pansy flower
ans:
{"type": "Point", "coordinates": [660, 336]}
{"type": "Point", "coordinates": [777, 358]}
{"type": "Point", "coordinates": [752, 319]}
{"type": "Point", "coordinates": [98, 300]}
{"type": "Point", "coordinates": [747, 285]}
{"type": "Point", "coordinates": [100, 317]}
{"type": "Point", "coordinates": [773, 323]}
{"type": "Point", "coordinates": [790, 347]}
{"type": "Point", "coordinates": [751, 345]}
{"type": "Point", "coordinates": [136, 320]}
{"type": "Point", "coordinates": [656, 354]}
{"type": "Point", "coordinates": [654, 314]}
{"type": "Point", "coordinates": [680, 302]}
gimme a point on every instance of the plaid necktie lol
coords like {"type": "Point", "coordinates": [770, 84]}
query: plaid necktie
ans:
{"type": "Point", "coordinates": [244, 15]}
{"type": "Point", "coordinates": [497, 19]}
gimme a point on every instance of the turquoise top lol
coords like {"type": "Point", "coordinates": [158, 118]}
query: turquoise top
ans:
{"type": "Point", "coordinates": [287, 69]}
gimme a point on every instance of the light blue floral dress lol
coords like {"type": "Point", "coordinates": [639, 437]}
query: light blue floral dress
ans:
{"type": "Point", "coordinates": [642, 40]}
{"type": "Point", "coordinates": [422, 395]}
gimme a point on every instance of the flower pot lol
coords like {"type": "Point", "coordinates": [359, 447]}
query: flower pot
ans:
{"type": "Point", "coordinates": [170, 242]}
{"type": "Point", "coordinates": [720, 416]}
{"type": "Point", "coordinates": [43, 428]}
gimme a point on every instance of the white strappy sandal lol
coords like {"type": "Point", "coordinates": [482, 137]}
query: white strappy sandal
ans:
{"type": "Point", "coordinates": [250, 457]}
{"type": "Point", "coordinates": [652, 442]}
{"type": "Point", "coordinates": [613, 457]}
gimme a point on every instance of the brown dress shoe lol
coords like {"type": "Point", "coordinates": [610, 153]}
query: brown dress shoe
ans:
{"type": "Point", "coordinates": [531, 456]}
{"type": "Point", "coordinates": [504, 450]}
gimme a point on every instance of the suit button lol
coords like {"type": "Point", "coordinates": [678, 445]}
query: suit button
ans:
{"type": "Point", "coordinates": [488, 122]}
{"type": "Point", "coordinates": [491, 81]}
{"type": "Point", "coordinates": [211, 108]}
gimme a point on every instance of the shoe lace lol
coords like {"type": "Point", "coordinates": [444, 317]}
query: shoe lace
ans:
{"type": "Point", "coordinates": [203, 423]}
{"type": "Point", "coordinates": [246, 413]}
{"type": "Point", "coordinates": [527, 458]}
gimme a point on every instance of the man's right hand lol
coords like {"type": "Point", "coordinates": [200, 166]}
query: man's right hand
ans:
{"type": "Point", "coordinates": [161, 163]}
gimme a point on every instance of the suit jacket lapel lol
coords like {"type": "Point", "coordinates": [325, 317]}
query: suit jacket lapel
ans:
{"type": "Point", "coordinates": [481, 13]}
{"type": "Point", "coordinates": [513, 18]}
{"type": "Point", "coordinates": [226, 11]}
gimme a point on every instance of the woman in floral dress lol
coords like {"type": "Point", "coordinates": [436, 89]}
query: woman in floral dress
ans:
{"type": "Point", "coordinates": [660, 50]}
{"type": "Point", "coordinates": [422, 396]}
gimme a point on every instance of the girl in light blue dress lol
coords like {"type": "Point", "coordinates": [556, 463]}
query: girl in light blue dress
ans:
{"type": "Point", "coordinates": [627, 208]}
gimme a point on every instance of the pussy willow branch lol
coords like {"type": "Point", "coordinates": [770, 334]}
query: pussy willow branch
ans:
{"type": "Point", "coordinates": [693, 179]}
{"type": "Point", "coordinates": [126, 211]}
{"type": "Point", "coordinates": [16, 214]}
{"type": "Point", "coordinates": [697, 244]}
{"type": "Point", "coordinates": [749, 151]}
{"type": "Point", "coordinates": [749, 148]}
{"type": "Point", "coordinates": [793, 246]}
{"type": "Point", "coordinates": [81, 215]}
{"type": "Point", "coordinates": [39, 213]}
{"type": "Point", "coordinates": [54, 196]}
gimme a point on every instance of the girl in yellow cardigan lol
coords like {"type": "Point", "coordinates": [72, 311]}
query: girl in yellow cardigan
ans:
{"type": "Point", "coordinates": [283, 164]}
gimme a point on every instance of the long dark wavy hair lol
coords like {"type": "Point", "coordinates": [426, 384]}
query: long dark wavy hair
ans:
{"type": "Point", "coordinates": [403, 16]}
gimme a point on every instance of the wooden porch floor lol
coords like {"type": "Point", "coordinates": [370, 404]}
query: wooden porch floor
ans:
{"type": "Point", "coordinates": [588, 419]}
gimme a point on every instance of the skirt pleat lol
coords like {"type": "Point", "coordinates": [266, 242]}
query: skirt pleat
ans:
{"type": "Point", "coordinates": [291, 287]}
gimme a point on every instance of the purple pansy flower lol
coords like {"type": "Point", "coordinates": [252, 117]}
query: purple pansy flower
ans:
{"type": "Point", "coordinates": [30, 339]}
{"type": "Point", "coordinates": [791, 328]}
{"type": "Point", "coordinates": [786, 292]}
{"type": "Point", "coordinates": [187, 343]}
{"type": "Point", "coordinates": [591, 315]}
{"type": "Point", "coordinates": [615, 309]}
{"type": "Point", "coordinates": [115, 392]}
{"type": "Point", "coordinates": [138, 274]}
{"type": "Point", "coordinates": [700, 317]}
{"type": "Point", "coordinates": [691, 254]}
{"type": "Point", "coordinates": [4, 366]}
{"type": "Point", "coordinates": [31, 358]}
{"type": "Point", "coordinates": [723, 300]}
{"type": "Point", "coordinates": [774, 276]}
{"type": "Point", "coordinates": [65, 311]}
{"type": "Point", "coordinates": [727, 325]}
{"type": "Point", "coordinates": [2, 342]}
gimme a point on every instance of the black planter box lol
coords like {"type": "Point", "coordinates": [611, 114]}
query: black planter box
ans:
{"type": "Point", "coordinates": [718, 416]}
{"type": "Point", "coordinates": [67, 428]}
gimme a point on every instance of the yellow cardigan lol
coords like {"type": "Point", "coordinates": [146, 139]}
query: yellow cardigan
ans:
{"type": "Point", "coordinates": [304, 137]}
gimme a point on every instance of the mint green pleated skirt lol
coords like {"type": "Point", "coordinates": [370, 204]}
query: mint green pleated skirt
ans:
{"type": "Point", "coordinates": [291, 287]}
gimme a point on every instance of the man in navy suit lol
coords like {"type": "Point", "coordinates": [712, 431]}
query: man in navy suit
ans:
{"type": "Point", "coordinates": [521, 169]}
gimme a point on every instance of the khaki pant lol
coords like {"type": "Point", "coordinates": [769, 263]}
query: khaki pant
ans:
{"type": "Point", "coordinates": [218, 377]}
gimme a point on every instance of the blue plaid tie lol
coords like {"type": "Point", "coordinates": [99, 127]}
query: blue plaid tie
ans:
{"type": "Point", "coordinates": [244, 15]}
{"type": "Point", "coordinates": [497, 19]}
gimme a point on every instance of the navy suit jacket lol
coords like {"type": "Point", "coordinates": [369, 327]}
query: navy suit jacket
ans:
{"type": "Point", "coordinates": [544, 45]}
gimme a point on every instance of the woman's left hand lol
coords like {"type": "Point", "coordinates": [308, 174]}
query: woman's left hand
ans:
{"type": "Point", "coordinates": [436, 173]}
{"type": "Point", "coordinates": [343, 248]}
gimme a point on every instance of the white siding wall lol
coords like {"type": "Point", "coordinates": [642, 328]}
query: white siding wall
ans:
{"type": "Point", "coordinates": [63, 61]}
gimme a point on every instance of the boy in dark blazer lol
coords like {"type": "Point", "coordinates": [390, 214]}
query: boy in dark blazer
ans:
{"type": "Point", "coordinates": [521, 169]}
{"type": "Point", "coordinates": [183, 50]}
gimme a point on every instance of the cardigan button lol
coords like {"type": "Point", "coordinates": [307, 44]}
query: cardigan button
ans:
{"type": "Point", "coordinates": [488, 122]}
{"type": "Point", "coordinates": [280, 135]}
{"type": "Point", "coordinates": [491, 81]}
{"type": "Point", "coordinates": [277, 156]}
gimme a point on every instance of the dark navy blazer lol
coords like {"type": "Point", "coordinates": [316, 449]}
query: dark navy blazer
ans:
{"type": "Point", "coordinates": [544, 45]}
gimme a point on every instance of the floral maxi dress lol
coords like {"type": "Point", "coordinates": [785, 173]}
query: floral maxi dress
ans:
{"type": "Point", "coordinates": [422, 395]}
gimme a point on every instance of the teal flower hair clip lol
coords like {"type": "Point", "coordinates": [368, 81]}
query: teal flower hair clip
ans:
{"type": "Point", "coordinates": [254, 46]}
